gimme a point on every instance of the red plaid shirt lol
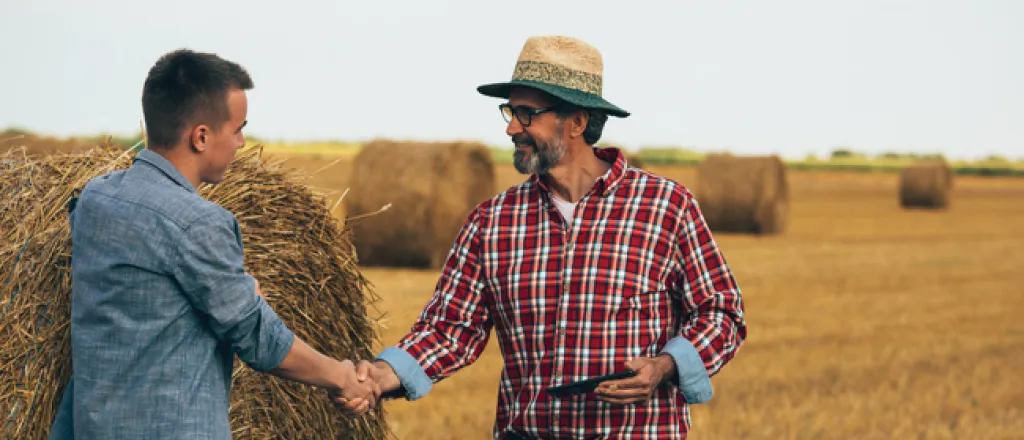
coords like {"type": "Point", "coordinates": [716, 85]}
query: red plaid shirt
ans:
{"type": "Point", "coordinates": [637, 267]}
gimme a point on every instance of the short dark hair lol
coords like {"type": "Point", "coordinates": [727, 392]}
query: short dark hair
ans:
{"type": "Point", "coordinates": [185, 87]}
{"type": "Point", "coordinates": [595, 121]}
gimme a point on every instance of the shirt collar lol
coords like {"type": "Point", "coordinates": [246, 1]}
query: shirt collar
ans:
{"type": "Point", "coordinates": [164, 166]}
{"type": "Point", "coordinates": [605, 185]}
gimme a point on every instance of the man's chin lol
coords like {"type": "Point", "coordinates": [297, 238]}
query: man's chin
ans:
{"type": "Point", "coordinates": [213, 180]}
{"type": "Point", "coordinates": [521, 161]}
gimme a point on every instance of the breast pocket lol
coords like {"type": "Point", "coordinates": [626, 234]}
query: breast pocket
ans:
{"type": "Point", "coordinates": [645, 316]}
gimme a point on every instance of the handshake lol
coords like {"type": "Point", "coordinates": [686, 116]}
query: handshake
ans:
{"type": "Point", "coordinates": [356, 389]}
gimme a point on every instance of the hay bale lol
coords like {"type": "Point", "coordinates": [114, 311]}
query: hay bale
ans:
{"type": "Point", "coordinates": [743, 194]}
{"type": "Point", "coordinates": [926, 185]}
{"type": "Point", "coordinates": [430, 187]}
{"type": "Point", "coordinates": [304, 260]}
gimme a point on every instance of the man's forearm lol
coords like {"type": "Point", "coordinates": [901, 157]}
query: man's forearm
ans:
{"type": "Point", "coordinates": [408, 375]}
{"type": "Point", "coordinates": [305, 365]}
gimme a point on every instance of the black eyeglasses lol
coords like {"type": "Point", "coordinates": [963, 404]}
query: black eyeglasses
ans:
{"type": "Point", "coordinates": [523, 113]}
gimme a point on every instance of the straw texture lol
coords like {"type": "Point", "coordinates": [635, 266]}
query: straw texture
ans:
{"type": "Point", "coordinates": [743, 194]}
{"type": "Point", "coordinates": [926, 185]}
{"type": "Point", "coordinates": [431, 189]}
{"type": "Point", "coordinates": [304, 260]}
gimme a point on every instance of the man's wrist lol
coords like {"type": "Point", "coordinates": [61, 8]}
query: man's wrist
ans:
{"type": "Point", "coordinates": [412, 380]}
{"type": "Point", "coordinates": [667, 367]}
{"type": "Point", "coordinates": [335, 370]}
{"type": "Point", "coordinates": [388, 379]}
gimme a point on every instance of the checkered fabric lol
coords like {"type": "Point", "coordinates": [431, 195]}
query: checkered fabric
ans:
{"type": "Point", "coordinates": [637, 267]}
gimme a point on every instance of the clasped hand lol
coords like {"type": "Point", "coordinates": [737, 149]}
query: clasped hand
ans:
{"type": "Point", "coordinates": [361, 387]}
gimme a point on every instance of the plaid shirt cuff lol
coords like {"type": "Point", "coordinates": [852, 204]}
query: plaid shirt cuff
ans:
{"type": "Point", "coordinates": [693, 378]}
{"type": "Point", "coordinates": [414, 380]}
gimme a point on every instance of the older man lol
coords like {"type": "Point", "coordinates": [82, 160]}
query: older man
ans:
{"type": "Point", "coordinates": [589, 267]}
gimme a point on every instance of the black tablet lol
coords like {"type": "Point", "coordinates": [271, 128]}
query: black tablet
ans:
{"type": "Point", "coordinates": [587, 385]}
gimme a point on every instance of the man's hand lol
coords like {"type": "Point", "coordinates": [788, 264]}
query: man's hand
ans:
{"type": "Point", "coordinates": [352, 394]}
{"type": "Point", "coordinates": [378, 373]}
{"type": "Point", "coordinates": [651, 372]}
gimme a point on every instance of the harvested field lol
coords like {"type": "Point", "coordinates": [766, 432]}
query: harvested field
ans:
{"type": "Point", "coordinates": [866, 321]}
{"type": "Point", "coordinates": [635, 161]}
{"type": "Point", "coordinates": [35, 146]}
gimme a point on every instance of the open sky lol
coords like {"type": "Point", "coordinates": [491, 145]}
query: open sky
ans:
{"type": "Point", "coordinates": [754, 77]}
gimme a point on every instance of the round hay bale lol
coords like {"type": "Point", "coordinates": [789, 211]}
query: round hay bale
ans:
{"type": "Point", "coordinates": [430, 189]}
{"type": "Point", "coordinates": [304, 260]}
{"type": "Point", "coordinates": [926, 185]}
{"type": "Point", "coordinates": [744, 194]}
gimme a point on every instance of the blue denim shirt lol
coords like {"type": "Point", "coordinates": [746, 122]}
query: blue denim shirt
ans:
{"type": "Point", "coordinates": [161, 304]}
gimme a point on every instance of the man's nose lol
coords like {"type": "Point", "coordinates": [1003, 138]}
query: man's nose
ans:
{"type": "Point", "coordinates": [514, 127]}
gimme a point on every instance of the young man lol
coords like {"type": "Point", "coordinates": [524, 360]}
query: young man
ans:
{"type": "Point", "coordinates": [161, 302]}
{"type": "Point", "coordinates": [589, 267]}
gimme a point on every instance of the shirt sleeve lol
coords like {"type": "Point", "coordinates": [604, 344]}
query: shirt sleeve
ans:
{"type": "Point", "coordinates": [715, 327]}
{"type": "Point", "coordinates": [63, 427]}
{"type": "Point", "coordinates": [453, 328]}
{"type": "Point", "coordinates": [210, 270]}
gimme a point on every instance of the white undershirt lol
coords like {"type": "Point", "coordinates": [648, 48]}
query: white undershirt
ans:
{"type": "Point", "coordinates": [566, 208]}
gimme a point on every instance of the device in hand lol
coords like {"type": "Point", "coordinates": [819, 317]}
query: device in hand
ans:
{"type": "Point", "coordinates": [587, 385]}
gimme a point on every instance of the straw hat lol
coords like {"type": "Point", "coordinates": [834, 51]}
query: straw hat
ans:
{"type": "Point", "coordinates": [565, 67]}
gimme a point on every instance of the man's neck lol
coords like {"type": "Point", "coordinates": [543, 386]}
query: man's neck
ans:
{"type": "Point", "coordinates": [576, 174]}
{"type": "Point", "coordinates": [182, 162]}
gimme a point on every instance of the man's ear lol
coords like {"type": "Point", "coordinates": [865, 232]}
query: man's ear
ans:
{"type": "Point", "coordinates": [198, 138]}
{"type": "Point", "coordinates": [579, 119]}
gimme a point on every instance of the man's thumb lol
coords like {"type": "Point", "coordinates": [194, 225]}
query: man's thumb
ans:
{"type": "Point", "coordinates": [363, 371]}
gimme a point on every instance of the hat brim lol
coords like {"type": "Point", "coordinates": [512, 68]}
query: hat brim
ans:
{"type": "Point", "coordinates": [576, 97]}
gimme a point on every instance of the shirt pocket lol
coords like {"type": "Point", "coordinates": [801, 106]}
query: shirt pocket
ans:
{"type": "Point", "coordinates": [645, 318]}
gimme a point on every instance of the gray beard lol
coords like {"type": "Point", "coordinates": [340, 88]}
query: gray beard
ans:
{"type": "Point", "coordinates": [541, 159]}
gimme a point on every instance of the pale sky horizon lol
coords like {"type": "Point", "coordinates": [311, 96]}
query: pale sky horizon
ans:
{"type": "Point", "coordinates": [784, 77]}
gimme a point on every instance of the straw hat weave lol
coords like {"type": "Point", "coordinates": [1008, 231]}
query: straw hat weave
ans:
{"type": "Point", "coordinates": [566, 67]}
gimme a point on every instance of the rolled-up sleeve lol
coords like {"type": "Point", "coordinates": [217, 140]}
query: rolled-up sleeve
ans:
{"type": "Point", "coordinates": [715, 327]}
{"type": "Point", "coordinates": [454, 328]}
{"type": "Point", "coordinates": [210, 269]}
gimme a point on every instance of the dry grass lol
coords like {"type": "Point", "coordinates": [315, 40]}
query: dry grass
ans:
{"type": "Point", "coordinates": [747, 194]}
{"type": "Point", "coordinates": [926, 185]}
{"type": "Point", "coordinates": [301, 256]}
{"type": "Point", "coordinates": [429, 189]}
{"type": "Point", "coordinates": [866, 321]}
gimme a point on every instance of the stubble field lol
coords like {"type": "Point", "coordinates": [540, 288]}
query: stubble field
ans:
{"type": "Point", "coordinates": [866, 321]}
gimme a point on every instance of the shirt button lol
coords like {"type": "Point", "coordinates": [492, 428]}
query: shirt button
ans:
{"type": "Point", "coordinates": [561, 331]}
{"type": "Point", "coordinates": [558, 376]}
{"type": "Point", "coordinates": [565, 285]}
